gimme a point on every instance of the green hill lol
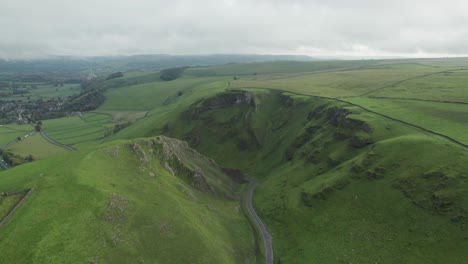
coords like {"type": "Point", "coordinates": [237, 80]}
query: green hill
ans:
{"type": "Point", "coordinates": [356, 165]}
{"type": "Point", "coordinates": [340, 184]}
{"type": "Point", "coordinates": [146, 200]}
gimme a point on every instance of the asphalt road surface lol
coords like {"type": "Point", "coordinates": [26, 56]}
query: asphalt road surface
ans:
{"type": "Point", "coordinates": [267, 239]}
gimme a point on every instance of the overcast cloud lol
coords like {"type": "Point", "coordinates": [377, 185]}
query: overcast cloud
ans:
{"type": "Point", "coordinates": [33, 28]}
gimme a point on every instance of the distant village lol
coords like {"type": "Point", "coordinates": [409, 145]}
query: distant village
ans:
{"type": "Point", "coordinates": [27, 112]}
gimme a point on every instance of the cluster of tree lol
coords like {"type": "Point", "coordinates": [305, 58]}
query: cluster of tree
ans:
{"type": "Point", "coordinates": [38, 126]}
{"type": "Point", "coordinates": [115, 75]}
{"type": "Point", "coordinates": [84, 101]}
{"type": "Point", "coordinates": [120, 126]}
{"type": "Point", "coordinates": [171, 73]}
{"type": "Point", "coordinates": [15, 160]}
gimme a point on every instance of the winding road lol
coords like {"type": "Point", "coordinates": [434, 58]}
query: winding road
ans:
{"type": "Point", "coordinates": [46, 137]}
{"type": "Point", "coordinates": [267, 239]}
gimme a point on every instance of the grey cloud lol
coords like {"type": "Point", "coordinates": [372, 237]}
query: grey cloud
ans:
{"type": "Point", "coordinates": [33, 28]}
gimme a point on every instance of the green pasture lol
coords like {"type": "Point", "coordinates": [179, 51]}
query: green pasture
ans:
{"type": "Point", "coordinates": [9, 133]}
{"type": "Point", "coordinates": [447, 86]}
{"type": "Point", "coordinates": [78, 129]}
{"type": "Point", "coordinates": [47, 91]}
{"type": "Point", "coordinates": [444, 118]}
{"type": "Point", "coordinates": [36, 146]}
{"type": "Point", "coordinates": [340, 83]}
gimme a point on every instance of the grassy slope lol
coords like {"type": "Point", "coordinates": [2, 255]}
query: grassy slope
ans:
{"type": "Point", "coordinates": [9, 133]}
{"type": "Point", "coordinates": [280, 67]}
{"type": "Point", "coordinates": [448, 86]}
{"type": "Point", "coordinates": [85, 207]}
{"type": "Point", "coordinates": [360, 212]}
{"type": "Point", "coordinates": [445, 118]}
{"type": "Point", "coordinates": [400, 81]}
{"type": "Point", "coordinates": [36, 146]}
{"type": "Point", "coordinates": [330, 202]}
{"type": "Point", "coordinates": [378, 203]}
{"type": "Point", "coordinates": [340, 83]}
{"type": "Point", "coordinates": [75, 130]}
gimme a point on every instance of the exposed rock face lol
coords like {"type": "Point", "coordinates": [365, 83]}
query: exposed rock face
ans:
{"type": "Point", "coordinates": [199, 182]}
{"type": "Point", "coordinates": [178, 158]}
{"type": "Point", "coordinates": [337, 116]}
{"type": "Point", "coordinates": [229, 99]}
{"type": "Point", "coordinates": [223, 100]}
{"type": "Point", "coordinates": [360, 142]}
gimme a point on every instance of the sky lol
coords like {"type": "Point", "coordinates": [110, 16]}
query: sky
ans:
{"type": "Point", "coordinates": [318, 28]}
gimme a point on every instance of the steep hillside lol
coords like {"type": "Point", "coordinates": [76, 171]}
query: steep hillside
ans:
{"type": "Point", "coordinates": [344, 177]}
{"type": "Point", "coordinates": [141, 201]}
{"type": "Point", "coordinates": [340, 184]}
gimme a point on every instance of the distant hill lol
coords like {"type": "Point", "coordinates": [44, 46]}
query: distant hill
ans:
{"type": "Point", "coordinates": [136, 62]}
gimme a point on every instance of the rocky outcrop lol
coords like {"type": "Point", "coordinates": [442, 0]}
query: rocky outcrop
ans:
{"type": "Point", "coordinates": [176, 157]}
{"type": "Point", "coordinates": [228, 99]}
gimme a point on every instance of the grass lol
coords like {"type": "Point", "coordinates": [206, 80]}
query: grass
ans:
{"type": "Point", "coordinates": [309, 202]}
{"type": "Point", "coordinates": [36, 146]}
{"type": "Point", "coordinates": [148, 96]}
{"type": "Point", "coordinates": [339, 83]}
{"type": "Point", "coordinates": [7, 203]}
{"type": "Point", "coordinates": [47, 91]}
{"type": "Point", "coordinates": [445, 118]}
{"type": "Point", "coordinates": [279, 67]}
{"type": "Point", "coordinates": [9, 133]}
{"type": "Point", "coordinates": [124, 115]}
{"type": "Point", "coordinates": [339, 184]}
{"type": "Point", "coordinates": [448, 86]}
{"type": "Point", "coordinates": [112, 219]}
{"type": "Point", "coordinates": [75, 130]}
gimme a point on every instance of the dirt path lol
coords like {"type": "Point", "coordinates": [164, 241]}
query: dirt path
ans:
{"type": "Point", "coordinates": [267, 239]}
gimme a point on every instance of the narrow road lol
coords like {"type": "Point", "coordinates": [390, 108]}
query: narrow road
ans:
{"type": "Point", "coordinates": [46, 137]}
{"type": "Point", "coordinates": [267, 239]}
{"type": "Point", "coordinates": [3, 163]}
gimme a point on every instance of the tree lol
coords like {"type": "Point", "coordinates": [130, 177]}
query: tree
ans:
{"type": "Point", "coordinates": [38, 126]}
{"type": "Point", "coordinates": [115, 75]}
{"type": "Point", "coordinates": [171, 73]}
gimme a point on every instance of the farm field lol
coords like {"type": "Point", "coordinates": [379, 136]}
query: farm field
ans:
{"type": "Point", "coordinates": [36, 146]}
{"type": "Point", "coordinates": [341, 83]}
{"type": "Point", "coordinates": [47, 91]}
{"type": "Point", "coordinates": [123, 115]}
{"type": "Point", "coordinates": [9, 133]}
{"type": "Point", "coordinates": [148, 96]}
{"type": "Point", "coordinates": [445, 118]}
{"type": "Point", "coordinates": [448, 86]}
{"type": "Point", "coordinates": [75, 130]}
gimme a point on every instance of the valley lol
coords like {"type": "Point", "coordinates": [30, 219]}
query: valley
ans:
{"type": "Point", "coordinates": [351, 162]}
